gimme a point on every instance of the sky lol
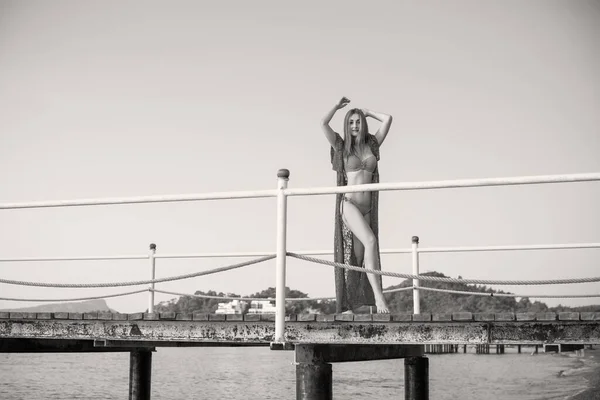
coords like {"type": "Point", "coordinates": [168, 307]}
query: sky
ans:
{"type": "Point", "coordinates": [116, 99]}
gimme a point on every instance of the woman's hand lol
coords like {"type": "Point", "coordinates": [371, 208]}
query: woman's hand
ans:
{"type": "Point", "coordinates": [330, 134]}
{"type": "Point", "coordinates": [342, 103]}
{"type": "Point", "coordinates": [366, 112]}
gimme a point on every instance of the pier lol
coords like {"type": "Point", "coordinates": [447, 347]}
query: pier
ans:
{"type": "Point", "coordinates": [318, 340]}
{"type": "Point", "coordinates": [176, 329]}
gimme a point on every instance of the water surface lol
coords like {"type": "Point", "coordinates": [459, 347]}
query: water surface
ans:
{"type": "Point", "coordinates": [259, 373]}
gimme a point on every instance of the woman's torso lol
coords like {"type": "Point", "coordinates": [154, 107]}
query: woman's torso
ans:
{"type": "Point", "coordinates": [359, 170]}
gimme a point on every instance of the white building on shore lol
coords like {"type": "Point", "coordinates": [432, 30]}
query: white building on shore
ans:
{"type": "Point", "coordinates": [238, 307]}
{"type": "Point", "coordinates": [262, 307]}
{"type": "Point", "coordinates": [232, 307]}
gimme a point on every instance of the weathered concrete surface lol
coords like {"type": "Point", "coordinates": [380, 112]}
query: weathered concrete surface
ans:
{"type": "Point", "coordinates": [387, 333]}
{"type": "Point", "coordinates": [405, 317]}
{"type": "Point", "coordinates": [328, 353]}
{"type": "Point", "coordinates": [545, 332]}
{"type": "Point", "coordinates": [63, 346]}
{"type": "Point", "coordinates": [169, 329]}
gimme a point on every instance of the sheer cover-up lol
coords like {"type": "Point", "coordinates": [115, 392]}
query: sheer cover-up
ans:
{"type": "Point", "coordinates": [352, 288]}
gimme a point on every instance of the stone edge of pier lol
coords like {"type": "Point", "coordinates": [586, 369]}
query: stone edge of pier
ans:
{"type": "Point", "coordinates": [341, 318]}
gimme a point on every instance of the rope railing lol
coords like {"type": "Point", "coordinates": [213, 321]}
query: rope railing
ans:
{"type": "Point", "coordinates": [303, 256]}
{"type": "Point", "coordinates": [135, 283]}
{"type": "Point", "coordinates": [446, 279]}
{"type": "Point", "coordinates": [491, 294]}
{"type": "Point", "coordinates": [107, 296]}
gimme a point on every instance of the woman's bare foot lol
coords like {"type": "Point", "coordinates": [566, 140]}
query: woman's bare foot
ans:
{"type": "Point", "coordinates": [382, 307]}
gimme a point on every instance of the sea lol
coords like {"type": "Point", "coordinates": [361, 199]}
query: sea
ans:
{"type": "Point", "coordinates": [259, 373]}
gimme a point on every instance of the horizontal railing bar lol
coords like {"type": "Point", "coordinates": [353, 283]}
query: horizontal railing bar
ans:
{"type": "Point", "coordinates": [77, 298]}
{"type": "Point", "coordinates": [86, 258]}
{"type": "Point", "coordinates": [509, 248]}
{"type": "Point", "coordinates": [446, 184]}
{"type": "Point", "coordinates": [215, 255]}
{"type": "Point", "coordinates": [143, 199]}
{"type": "Point", "coordinates": [262, 253]}
{"type": "Point", "coordinates": [492, 294]}
{"type": "Point", "coordinates": [142, 282]}
{"type": "Point", "coordinates": [330, 252]}
{"type": "Point", "coordinates": [446, 279]}
{"type": "Point", "coordinates": [564, 246]}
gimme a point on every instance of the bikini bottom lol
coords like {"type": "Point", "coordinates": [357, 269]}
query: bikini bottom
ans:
{"type": "Point", "coordinates": [360, 207]}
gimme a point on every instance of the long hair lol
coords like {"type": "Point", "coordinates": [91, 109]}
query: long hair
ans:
{"type": "Point", "coordinates": [355, 145]}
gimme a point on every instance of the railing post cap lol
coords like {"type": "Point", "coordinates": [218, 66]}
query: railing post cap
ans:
{"type": "Point", "coordinates": [283, 173]}
{"type": "Point", "coordinates": [152, 246]}
{"type": "Point", "coordinates": [415, 239]}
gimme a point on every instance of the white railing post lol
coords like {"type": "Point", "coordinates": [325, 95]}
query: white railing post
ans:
{"type": "Point", "coordinates": [282, 183]}
{"type": "Point", "coordinates": [152, 276]}
{"type": "Point", "coordinates": [415, 271]}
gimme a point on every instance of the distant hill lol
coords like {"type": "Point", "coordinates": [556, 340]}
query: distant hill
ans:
{"type": "Point", "coordinates": [436, 302]}
{"type": "Point", "coordinates": [80, 307]}
{"type": "Point", "coordinates": [399, 302]}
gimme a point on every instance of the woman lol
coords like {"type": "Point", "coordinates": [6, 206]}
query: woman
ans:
{"type": "Point", "coordinates": [354, 158]}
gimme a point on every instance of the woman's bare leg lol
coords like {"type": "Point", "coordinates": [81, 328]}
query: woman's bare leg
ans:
{"type": "Point", "coordinates": [355, 221]}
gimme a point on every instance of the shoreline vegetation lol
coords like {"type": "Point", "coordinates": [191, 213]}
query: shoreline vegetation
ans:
{"type": "Point", "coordinates": [398, 302]}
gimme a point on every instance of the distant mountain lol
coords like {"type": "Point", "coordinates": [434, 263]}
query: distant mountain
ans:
{"type": "Point", "coordinates": [80, 307]}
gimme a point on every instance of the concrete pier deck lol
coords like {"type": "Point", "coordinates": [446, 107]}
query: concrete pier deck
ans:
{"type": "Point", "coordinates": [89, 331]}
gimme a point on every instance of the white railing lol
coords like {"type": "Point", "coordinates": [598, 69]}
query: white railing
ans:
{"type": "Point", "coordinates": [247, 254]}
{"type": "Point", "coordinates": [281, 194]}
{"type": "Point", "coordinates": [446, 184]}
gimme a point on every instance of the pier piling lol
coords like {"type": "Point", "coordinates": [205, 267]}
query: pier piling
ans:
{"type": "Point", "coordinates": [314, 381]}
{"type": "Point", "coordinates": [140, 371]}
{"type": "Point", "coordinates": [314, 377]}
{"type": "Point", "coordinates": [416, 378]}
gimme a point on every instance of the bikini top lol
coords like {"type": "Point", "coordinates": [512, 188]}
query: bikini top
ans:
{"type": "Point", "coordinates": [354, 164]}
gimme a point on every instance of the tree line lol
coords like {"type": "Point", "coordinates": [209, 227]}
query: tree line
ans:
{"type": "Point", "coordinates": [399, 302]}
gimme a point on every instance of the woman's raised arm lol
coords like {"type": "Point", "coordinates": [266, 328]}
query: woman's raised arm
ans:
{"type": "Point", "coordinates": [330, 134]}
{"type": "Point", "coordinates": [386, 122]}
